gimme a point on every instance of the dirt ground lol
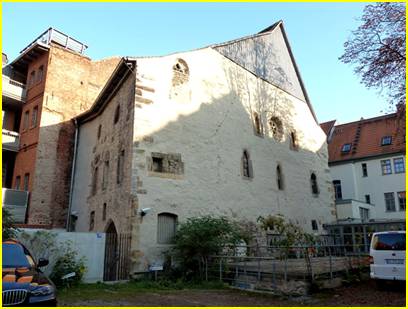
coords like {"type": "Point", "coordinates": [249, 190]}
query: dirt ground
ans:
{"type": "Point", "coordinates": [361, 294]}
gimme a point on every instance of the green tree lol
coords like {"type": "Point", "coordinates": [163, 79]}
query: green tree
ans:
{"type": "Point", "coordinates": [9, 231]}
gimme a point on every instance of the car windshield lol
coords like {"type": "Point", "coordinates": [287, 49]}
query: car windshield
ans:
{"type": "Point", "coordinates": [391, 241]}
{"type": "Point", "coordinates": [13, 256]}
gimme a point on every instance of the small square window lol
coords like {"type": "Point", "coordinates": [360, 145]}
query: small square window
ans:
{"type": "Point", "coordinates": [346, 148]}
{"type": "Point", "coordinates": [386, 140]}
{"type": "Point", "coordinates": [315, 227]}
{"type": "Point", "coordinates": [157, 165]}
{"type": "Point", "coordinates": [364, 169]}
{"type": "Point", "coordinates": [368, 198]}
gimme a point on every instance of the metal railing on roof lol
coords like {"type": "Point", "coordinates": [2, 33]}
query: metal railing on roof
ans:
{"type": "Point", "coordinates": [53, 35]}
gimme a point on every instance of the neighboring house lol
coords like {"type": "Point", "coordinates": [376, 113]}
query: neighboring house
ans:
{"type": "Point", "coordinates": [367, 164]}
{"type": "Point", "coordinates": [222, 130]}
{"type": "Point", "coordinates": [48, 84]}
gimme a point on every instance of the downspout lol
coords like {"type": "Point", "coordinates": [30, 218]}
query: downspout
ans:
{"type": "Point", "coordinates": [68, 227]}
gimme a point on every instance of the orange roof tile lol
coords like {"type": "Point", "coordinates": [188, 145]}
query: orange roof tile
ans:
{"type": "Point", "coordinates": [365, 137]}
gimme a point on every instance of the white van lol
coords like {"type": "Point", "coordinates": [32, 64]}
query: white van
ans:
{"type": "Point", "coordinates": [387, 255]}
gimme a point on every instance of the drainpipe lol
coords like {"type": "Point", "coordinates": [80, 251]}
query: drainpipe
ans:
{"type": "Point", "coordinates": [68, 227]}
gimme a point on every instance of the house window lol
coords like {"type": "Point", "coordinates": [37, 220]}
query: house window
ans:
{"type": "Point", "coordinates": [386, 140]}
{"type": "Point", "coordinates": [399, 166]}
{"type": "Point", "coordinates": [364, 214]}
{"type": "Point", "coordinates": [315, 227]}
{"type": "Point", "coordinates": [95, 181]}
{"type": "Point", "coordinates": [157, 165]}
{"type": "Point", "coordinates": [246, 165]}
{"type": "Point", "coordinates": [26, 181]}
{"type": "Point", "coordinates": [386, 167]}
{"type": "Point", "coordinates": [367, 198]}
{"type": "Point", "coordinates": [401, 200]}
{"type": "Point", "coordinates": [346, 148]}
{"type": "Point", "coordinates": [364, 169]}
{"type": "Point", "coordinates": [276, 128]}
{"type": "Point", "coordinates": [99, 131]}
{"type": "Point", "coordinates": [31, 81]}
{"type": "Point", "coordinates": [34, 117]}
{"type": "Point", "coordinates": [166, 228]}
{"type": "Point", "coordinates": [279, 177]}
{"type": "Point", "coordinates": [117, 114]}
{"type": "Point", "coordinates": [293, 141]}
{"type": "Point", "coordinates": [91, 220]}
{"type": "Point", "coordinates": [104, 212]}
{"type": "Point", "coordinates": [389, 201]}
{"type": "Point", "coordinates": [17, 183]}
{"type": "Point", "coordinates": [26, 119]}
{"type": "Point", "coordinates": [120, 166]}
{"type": "Point", "coordinates": [337, 189]}
{"type": "Point", "coordinates": [105, 175]}
{"type": "Point", "coordinates": [40, 74]}
{"type": "Point", "coordinates": [181, 67]}
{"type": "Point", "coordinates": [257, 124]}
{"type": "Point", "coordinates": [313, 181]}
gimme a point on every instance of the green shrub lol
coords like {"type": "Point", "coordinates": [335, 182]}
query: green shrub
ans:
{"type": "Point", "coordinates": [8, 230]}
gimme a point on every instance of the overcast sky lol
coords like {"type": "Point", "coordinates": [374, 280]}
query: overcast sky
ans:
{"type": "Point", "coordinates": [316, 33]}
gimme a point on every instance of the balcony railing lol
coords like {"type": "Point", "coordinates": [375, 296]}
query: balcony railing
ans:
{"type": "Point", "coordinates": [10, 140]}
{"type": "Point", "coordinates": [15, 201]}
{"type": "Point", "coordinates": [13, 89]}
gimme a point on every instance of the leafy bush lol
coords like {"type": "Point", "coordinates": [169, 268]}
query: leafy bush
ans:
{"type": "Point", "coordinates": [67, 263]}
{"type": "Point", "coordinates": [200, 237]}
{"type": "Point", "coordinates": [8, 230]}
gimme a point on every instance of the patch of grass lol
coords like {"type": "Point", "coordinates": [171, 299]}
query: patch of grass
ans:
{"type": "Point", "coordinates": [115, 291]}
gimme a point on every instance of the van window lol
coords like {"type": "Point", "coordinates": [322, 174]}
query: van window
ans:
{"type": "Point", "coordinates": [389, 241]}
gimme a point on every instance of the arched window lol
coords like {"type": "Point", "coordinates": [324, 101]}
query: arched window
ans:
{"type": "Point", "coordinates": [279, 177]}
{"type": "Point", "coordinates": [276, 128]}
{"type": "Point", "coordinates": [257, 124]}
{"type": "Point", "coordinates": [104, 212]}
{"type": "Point", "coordinates": [166, 228]}
{"type": "Point", "coordinates": [180, 90]}
{"type": "Point", "coordinates": [247, 171]}
{"type": "Point", "coordinates": [91, 220]}
{"type": "Point", "coordinates": [313, 181]}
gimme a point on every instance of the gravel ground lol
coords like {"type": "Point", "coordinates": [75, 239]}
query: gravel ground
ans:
{"type": "Point", "coordinates": [362, 294]}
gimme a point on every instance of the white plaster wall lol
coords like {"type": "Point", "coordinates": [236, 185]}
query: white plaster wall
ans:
{"type": "Point", "coordinates": [210, 132]}
{"type": "Point", "coordinates": [355, 186]}
{"type": "Point", "coordinates": [91, 246]}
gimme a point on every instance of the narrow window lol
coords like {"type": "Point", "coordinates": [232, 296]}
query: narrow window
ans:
{"type": "Point", "coordinates": [95, 181]}
{"type": "Point", "coordinates": [117, 114]}
{"type": "Point", "coordinates": [364, 169]}
{"type": "Point", "coordinates": [386, 140]}
{"type": "Point", "coordinates": [120, 166]}
{"type": "Point", "coordinates": [364, 214]}
{"type": "Point", "coordinates": [346, 148]}
{"type": "Point", "coordinates": [313, 180]}
{"type": "Point", "coordinates": [157, 165]}
{"type": "Point", "coordinates": [367, 198]}
{"type": "Point", "coordinates": [386, 167]}
{"type": "Point", "coordinates": [34, 117]}
{"type": "Point", "coordinates": [293, 141]}
{"type": "Point", "coordinates": [245, 164]}
{"type": "Point", "coordinates": [91, 220]}
{"type": "Point", "coordinates": [104, 212]}
{"type": "Point", "coordinates": [25, 120]}
{"type": "Point", "coordinates": [279, 177]}
{"type": "Point", "coordinates": [17, 183]}
{"type": "Point", "coordinates": [399, 166]}
{"type": "Point", "coordinates": [166, 228]}
{"type": "Point", "coordinates": [105, 175]}
{"type": "Point", "coordinates": [99, 131]}
{"type": "Point", "coordinates": [337, 189]}
{"type": "Point", "coordinates": [276, 128]}
{"type": "Point", "coordinates": [26, 181]}
{"type": "Point", "coordinates": [40, 74]}
{"type": "Point", "coordinates": [389, 201]}
{"type": "Point", "coordinates": [315, 227]}
{"type": "Point", "coordinates": [401, 200]}
{"type": "Point", "coordinates": [257, 124]}
{"type": "Point", "coordinates": [31, 81]}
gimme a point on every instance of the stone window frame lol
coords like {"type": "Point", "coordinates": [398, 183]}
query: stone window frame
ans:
{"type": "Point", "coordinates": [314, 184]}
{"type": "Point", "coordinates": [257, 123]}
{"type": "Point", "coordinates": [279, 177]}
{"type": "Point", "coordinates": [294, 141]}
{"type": "Point", "coordinates": [247, 170]}
{"type": "Point", "coordinates": [168, 160]}
{"type": "Point", "coordinates": [92, 220]}
{"type": "Point", "coordinates": [276, 128]}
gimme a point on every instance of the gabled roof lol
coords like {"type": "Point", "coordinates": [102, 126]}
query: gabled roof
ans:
{"type": "Point", "coordinates": [365, 137]}
{"type": "Point", "coordinates": [125, 67]}
{"type": "Point", "coordinates": [327, 127]}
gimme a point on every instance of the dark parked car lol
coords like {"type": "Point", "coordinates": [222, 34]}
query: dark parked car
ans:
{"type": "Point", "coordinates": [24, 284]}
